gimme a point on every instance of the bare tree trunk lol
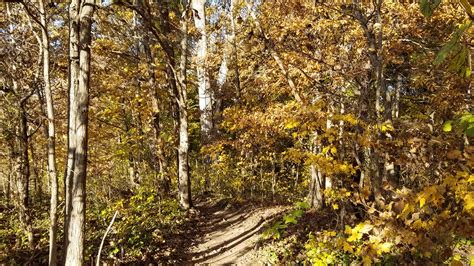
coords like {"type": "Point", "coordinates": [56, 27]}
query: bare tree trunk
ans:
{"type": "Point", "coordinates": [51, 146]}
{"type": "Point", "coordinates": [72, 110]}
{"type": "Point", "coordinates": [235, 56]}
{"type": "Point", "coordinates": [316, 185]}
{"type": "Point", "coordinates": [315, 196]}
{"type": "Point", "coordinates": [204, 87]}
{"type": "Point", "coordinates": [75, 230]}
{"type": "Point", "coordinates": [23, 172]}
{"type": "Point", "coordinates": [396, 99]}
{"type": "Point", "coordinates": [380, 89]}
{"type": "Point", "coordinates": [183, 148]}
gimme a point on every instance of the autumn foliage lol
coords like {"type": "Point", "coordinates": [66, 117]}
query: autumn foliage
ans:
{"type": "Point", "coordinates": [358, 115]}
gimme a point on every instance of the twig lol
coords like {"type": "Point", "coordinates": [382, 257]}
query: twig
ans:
{"type": "Point", "coordinates": [103, 238]}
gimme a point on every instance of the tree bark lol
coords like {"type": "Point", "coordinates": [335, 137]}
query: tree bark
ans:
{"type": "Point", "coordinates": [177, 87]}
{"type": "Point", "coordinates": [23, 174]}
{"type": "Point", "coordinates": [51, 145]}
{"type": "Point", "coordinates": [76, 217]}
{"type": "Point", "coordinates": [183, 148]}
{"type": "Point", "coordinates": [156, 110]}
{"type": "Point", "coordinates": [204, 87]}
{"type": "Point", "coordinates": [235, 55]}
{"type": "Point", "coordinates": [72, 110]}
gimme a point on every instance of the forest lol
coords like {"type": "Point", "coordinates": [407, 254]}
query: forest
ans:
{"type": "Point", "coordinates": [238, 132]}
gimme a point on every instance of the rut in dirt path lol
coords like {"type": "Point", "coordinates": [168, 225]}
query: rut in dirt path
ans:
{"type": "Point", "coordinates": [226, 234]}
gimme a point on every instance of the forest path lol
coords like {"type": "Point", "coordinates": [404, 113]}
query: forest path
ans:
{"type": "Point", "coordinates": [226, 234]}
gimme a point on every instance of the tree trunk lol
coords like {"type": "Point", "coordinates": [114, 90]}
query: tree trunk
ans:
{"type": "Point", "coordinates": [183, 148]}
{"type": "Point", "coordinates": [162, 168]}
{"type": "Point", "coordinates": [317, 182]}
{"type": "Point", "coordinates": [204, 87]}
{"type": "Point", "coordinates": [51, 146]}
{"type": "Point", "coordinates": [205, 95]}
{"type": "Point", "coordinates": [76, 220]}
{"type": "Point", "coordinates": [234, 54]}
{"type": "Point", "coordinates": [315, 196]}
{"type": "Point", "coordinates": [177, 88]}
{"type": "Point", "coordinates": [23, 175]}
{"type": "Point", "coordinates": [72, 110]}
{"type": "Point", "coordinates": [129, 143]}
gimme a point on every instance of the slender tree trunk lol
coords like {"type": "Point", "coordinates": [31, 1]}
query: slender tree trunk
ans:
{"type": "Point", "coordinates": [183, 148]}
{"type": "Point", "coordinates": [235, 55]}
{"type": "Point", "coordinates": [165, 182]}
{"type": "Point", "coordinates": [51, 146]}
{"type": "Point", "coordinates": [204, 87]}
{"type": "Point", "coordinates": [127, 123]}
{"type": "Point", "coordinates": [316, 185]}
{"type": "Point", "coordinates": [75, 230]}
{"type": "Point", "coordinates": [24, 178]}
{"type": "Point", "coordinates": [372, 161]}
{"type": "Point", "coordinates": [315, 196]}
{"type": "Point", "coordinates": [177, 88]}
{"type": "Point", "coordinates": [380, 89]}
{"type": "Point", "coordinates": [396, 99]}
{"type": "Point", "coordinates": [72, 111]}
{"type": "Point", "coordinates": [23, 172]}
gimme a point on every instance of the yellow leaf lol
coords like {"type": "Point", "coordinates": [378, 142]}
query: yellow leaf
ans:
{"type": "Point", "coordinates": [335, 206]}
{"type": "Point", "coordinates": [422, 202]}
{"type": "Point", "coordinates": [366, 228]}
{"type": "Point", "coordinates": [384, 247]}
{"type": "Point", "coordinates": [406, 210]}
{"type": "Point", "coordinates": [347, 247]}
{"type": "Point", "coordinates": [291, 124]}
{"type": "Point", "coordinates": [469, 201]}
{"type": "Point", "coordinates": [427, 254]}
{"type": "Point", "coordinates": [348, 230]}
{"type": "Point", "coordinates": [354, 236]}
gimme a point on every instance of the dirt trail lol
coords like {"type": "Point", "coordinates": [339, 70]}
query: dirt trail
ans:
{"type": "Point", "coordinates": [227, 234]}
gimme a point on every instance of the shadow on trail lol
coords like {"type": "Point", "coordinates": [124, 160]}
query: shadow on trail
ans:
{"type": "Point", "coordinates": [226, 232]}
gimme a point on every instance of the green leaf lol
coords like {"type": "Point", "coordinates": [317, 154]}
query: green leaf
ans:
{"type": "Point", "coordinates": [290, 219]}
{"type": "Point", "coordinates": [447, 126]}
{"type": "Point", "coordinates": [428, 7]}
{"type": "Point", "coordinates": [470, 131]}
{"type": "Point", "coordinates": [453, 45]}
{"type": "Point", "coordinates": [302, 205]}
{"type": "Point", "coordinates": [297, 213]}
{"type": "Point", "coordinates": [466, 120]}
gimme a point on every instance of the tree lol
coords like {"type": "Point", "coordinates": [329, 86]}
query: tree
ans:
{"type": "Point", "coordinates": [50, 132]}
{"type": "Point", "coordinates": [80, 15]}
{"type": "Point", "coordinates": [205, 93]}
{"type": "Point", "coordinates": [177, 85]}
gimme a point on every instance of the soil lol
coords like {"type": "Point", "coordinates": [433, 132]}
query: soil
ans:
{"type": "Point", "coordinates": [229, 234]}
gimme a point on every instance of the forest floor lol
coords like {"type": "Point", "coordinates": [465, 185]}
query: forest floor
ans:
{"type": "Point", "coordinates": [226, 233]}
